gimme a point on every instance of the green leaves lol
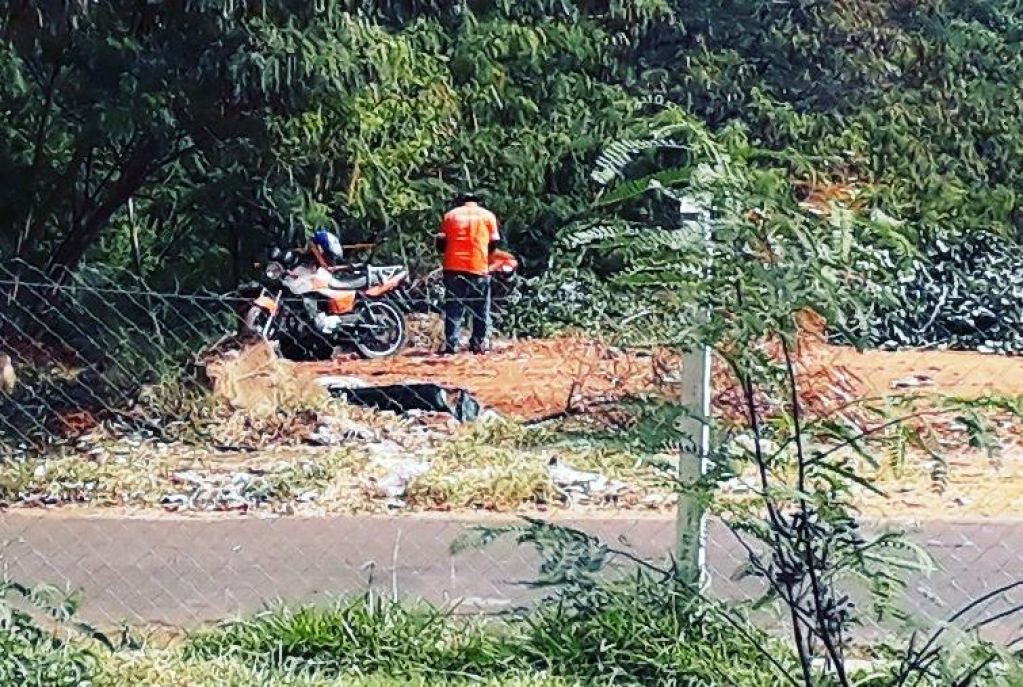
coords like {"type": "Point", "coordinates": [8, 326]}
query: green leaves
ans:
{"type": "Point", "coordinates": [33, 653]}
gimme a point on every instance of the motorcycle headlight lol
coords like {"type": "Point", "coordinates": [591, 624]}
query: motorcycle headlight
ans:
{"type": "Point", "coordinates": [274, 270]}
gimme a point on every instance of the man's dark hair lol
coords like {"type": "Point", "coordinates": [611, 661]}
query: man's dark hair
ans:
{"type": "Point", "coordinates": [468, 197]}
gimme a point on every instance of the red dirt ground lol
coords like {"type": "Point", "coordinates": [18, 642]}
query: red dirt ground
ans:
{"type": "Point", "coordinates": [526, 379]}
{"type": "Point", "coordinates": [535, 379]}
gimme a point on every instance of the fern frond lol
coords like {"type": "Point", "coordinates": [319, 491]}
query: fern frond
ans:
{"type": "Point", "coordinates": [637, 187]}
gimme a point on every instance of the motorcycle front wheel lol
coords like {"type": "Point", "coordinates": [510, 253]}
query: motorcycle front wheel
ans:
{"type": "Point", "coordinates": [383, 331]}
{"type": "Point", "coordinates": [299, 346]}
{"type": "Point", "coordinates": [256, 321]}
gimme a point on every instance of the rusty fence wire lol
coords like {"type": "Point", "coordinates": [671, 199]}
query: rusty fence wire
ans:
{"type": "Point", "coordinates": [177, 474]}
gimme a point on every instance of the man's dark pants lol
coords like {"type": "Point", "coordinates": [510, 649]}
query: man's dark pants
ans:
{"type": "Point", "coordinates": [466, 291]}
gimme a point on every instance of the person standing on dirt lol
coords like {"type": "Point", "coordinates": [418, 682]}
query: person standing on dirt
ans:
{"type": "Point", "coordinates": [468, 235]}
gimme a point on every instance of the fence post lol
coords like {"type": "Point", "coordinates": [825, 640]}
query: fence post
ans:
{"type": "Point", "coordinates": [691, 521]}
{"type": "Point", "coordinates": [694, 427]}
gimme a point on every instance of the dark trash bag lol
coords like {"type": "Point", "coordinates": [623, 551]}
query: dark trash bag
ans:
{"type": "Point", "coordinates": [402, 398]}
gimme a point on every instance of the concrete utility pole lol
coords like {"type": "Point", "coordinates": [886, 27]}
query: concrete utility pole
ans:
{"type": "Point", "coordinates": [691, 522]}
{"type": "Point", "coordinates": [694, 427]}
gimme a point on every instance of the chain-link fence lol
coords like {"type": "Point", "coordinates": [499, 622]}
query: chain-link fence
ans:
{"type": "Point", "coordinates": [178, 474]}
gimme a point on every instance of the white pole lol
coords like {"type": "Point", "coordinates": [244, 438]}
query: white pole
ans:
{"type": "Point", "coordinates": [691, 521]}
{"type": "Point", "coordinates": [694, 427]}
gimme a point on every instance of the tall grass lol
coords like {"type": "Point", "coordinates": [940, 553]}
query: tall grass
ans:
{"type": "Point", "coordinates": [371, 634]}
{"type": "Point", "coordinates": [636, 631]}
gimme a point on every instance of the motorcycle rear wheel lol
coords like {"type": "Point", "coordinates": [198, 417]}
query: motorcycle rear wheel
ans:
{"type": "Point", "coordinates": [384, 332]}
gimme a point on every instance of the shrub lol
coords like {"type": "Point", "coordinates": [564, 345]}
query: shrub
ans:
{"type": "Point", "coordinates": [963, 292]}
{"type": "Point", "coordinates": [31, 655]}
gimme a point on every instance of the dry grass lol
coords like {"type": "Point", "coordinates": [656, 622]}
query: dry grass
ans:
{"type": "Point", "coordinates": [503, 466]}
{"type": "Point", "coordinates": [141, 477]}
{"type": "Point", "coordinates": [969, 485]}
{"type": "Point", "coordinates": [494, 465]}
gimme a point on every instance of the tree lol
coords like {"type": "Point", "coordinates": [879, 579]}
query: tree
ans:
{"type": "Point", "coordinates": [111, 102]}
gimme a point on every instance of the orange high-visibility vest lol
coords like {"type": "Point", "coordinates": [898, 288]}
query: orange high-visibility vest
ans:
{"type": "Point", "coordinates": [467, 232]}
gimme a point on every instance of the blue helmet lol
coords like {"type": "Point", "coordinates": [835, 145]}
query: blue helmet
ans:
{"type": "Point", "coordinates": [329, 245]}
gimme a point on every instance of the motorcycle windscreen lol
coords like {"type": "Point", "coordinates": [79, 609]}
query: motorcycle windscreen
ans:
{"type": "Point", "coordinates": [341, 302]}
{"type": "Point", "coordinates": [381, 289]}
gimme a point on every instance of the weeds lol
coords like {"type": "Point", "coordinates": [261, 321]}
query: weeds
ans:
{"type": "Point", "coordinates": [31, 654]}
{"type": "Point", "coordinates": [169, 669]}
{"type": "Point", "coordinates": [504, 466]}
{"type": "Point", "coordinates": [368, 635]}
{"type": "Point", "coordinates": [631, 632]}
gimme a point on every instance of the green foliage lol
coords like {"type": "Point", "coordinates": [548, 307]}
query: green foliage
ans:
{"type": "Point", "coordinates": [965, 292]}
{"type": "Point", "coordinates": [637, 631]}
{"type": "Point", "coordinates": [169, 137]}
{"type": "Point", "coordinates": [32, 654]}
{"type": "Point", "coordinates": [370, 116]}
{"type": "Point", "coordinates": [168, 668]}
{"type": "Point", "coordinates": [736, 272]}
{"type": "Point", "coordinates": [370, 634]}
{"type": "Point", "coordinates": [646, 630]}
{"type": "Point", "coordinates": [175, 139]}
{"type": "Point", "coordinates": [914, 96]}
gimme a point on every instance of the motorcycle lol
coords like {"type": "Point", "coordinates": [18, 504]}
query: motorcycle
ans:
{"type": "Point", "coordinates": [503, 269]}
{"type": "Point", "coordinates": [366, 299]}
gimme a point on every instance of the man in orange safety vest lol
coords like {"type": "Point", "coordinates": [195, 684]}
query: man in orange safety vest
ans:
{"type": "Point", "coordinates": [468, 235]}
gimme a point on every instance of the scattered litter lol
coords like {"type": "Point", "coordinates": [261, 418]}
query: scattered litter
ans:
{"type": "Point", "coordinates": [386, 451]}
{"type": "Point", "coordinates": [239, 491]}
{"type": "Point", "coordinates": [189, 478]}
{"type": "Point", "coordinates": [337, 431]}
{"type": "Point", "coordinates": [336, 382]}
{"type": "Point", "coordinates": [913, 381]}
{"type": "Point", "coordinates": [175, 502]}
{"type": "Point", "coordinates": [490, 415]}
{"type": "Point", "coordinates": [400, 474]}
{"type": "Point", "coordinates": [577, 484]}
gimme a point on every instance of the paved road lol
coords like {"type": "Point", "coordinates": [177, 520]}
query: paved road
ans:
{"type": "Point", "coordinates": [181, 572]}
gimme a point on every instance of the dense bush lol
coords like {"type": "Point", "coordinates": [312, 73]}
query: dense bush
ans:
{"type": "Point", "coordinates": [174, 139]}
{"type": "Point", "coordinates": [962, 292]}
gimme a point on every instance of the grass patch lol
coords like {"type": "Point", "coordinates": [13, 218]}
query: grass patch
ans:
{"type": "Point", "coordinates": [170, 668]}
{"type": "Point", "coordinates": [637, 631]}
{"type": "Point", "coordinates": [642, 631]}
{"type": "Point", "coordinates": [143, 476]}
{"type": "Point", "coordinates": [633, 631]}
{"type": "Point", "coordinates": [371, 634]}
{"type": "Point", "coordinates": [504, 466]}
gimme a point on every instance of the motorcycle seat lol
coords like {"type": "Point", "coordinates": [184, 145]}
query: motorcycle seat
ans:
{"type": "Point", "coordinates": [352, 283]}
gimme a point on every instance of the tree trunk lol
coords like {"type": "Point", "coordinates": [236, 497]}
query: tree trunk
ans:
{"type": "Point", "coordinates": [140, 164]}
